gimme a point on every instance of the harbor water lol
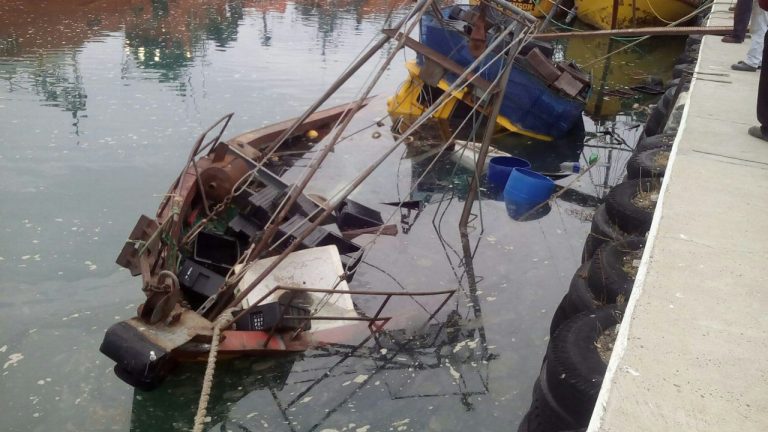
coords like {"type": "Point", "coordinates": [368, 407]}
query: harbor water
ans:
{"type": "Point", "coordinates": [100, 103]}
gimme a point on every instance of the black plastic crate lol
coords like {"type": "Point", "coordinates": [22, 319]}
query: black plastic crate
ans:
{"type": "Point", "coordinates": [198, 283]}
{"type": "Point", "coordinates": [267, 317]}
{"type": "Point", "coordinates": [319, 237]}
{"type": "Point", "coordinates": [354, 216]}
{"type": "Point", "coordinates": [216, 249]}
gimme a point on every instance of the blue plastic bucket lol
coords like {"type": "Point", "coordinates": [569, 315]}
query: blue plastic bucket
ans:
{"type": "Point", "coordinates": [525, 189]}
{"type": "Point", "coordinates": [500, 168]}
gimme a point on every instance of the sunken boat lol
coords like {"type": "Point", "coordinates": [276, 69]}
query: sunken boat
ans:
{"type": "Point", "coordinates": [239, 262]}
{"type": "Point", "coordinates": [544, 99]}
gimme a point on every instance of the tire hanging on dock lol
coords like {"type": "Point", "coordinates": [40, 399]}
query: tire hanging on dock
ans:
{"type": "Point", "coordinates": [544, 415]}
{"type": "Point", "coordinates": [578, 299]}
{"type": "Point", "coordinates": [603, 231]}
{"type": "Point", "coordinates": [630, 205]}
{"type": "Point", "coordinates": [655, 123]}
{"type": "Point", "coordinates": [683, 69]}
{"type": "Point", "coordinates": [665, 141]}
{"type": "Point", "coordinates": [612, 271]}
{"type": "Point", "coordinates": [574, 369]}
{"type": "Point", "coordinates": [648, 164]}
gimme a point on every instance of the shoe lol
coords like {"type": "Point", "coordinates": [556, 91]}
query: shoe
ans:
{"type": "Point", "coordinates": [757, 132]}
{"type": "Point", "coordinates": [744, 67]}
{"type": "Point", "coordinates": [731, 39]}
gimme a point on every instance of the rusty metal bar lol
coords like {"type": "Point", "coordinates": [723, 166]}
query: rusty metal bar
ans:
{"type": "Point", "coordinates": [615, 14]}
{"type": "Point", "coordinates": [439, 58]}
{"type": "Point", "coordinates": [498, 98]}
{"type": "Point", "coordinates": [552, 12]}
{"type": "Point", "coordinates": [335, 86]}
{"type": "Point", "coordinates": [646, 31]}
{"type": "Point", "coordinates": [439, 308]}
{"type": "Point", "coordinates": [340, 318]}
{"type": "Point", "coordinates": [195, 151]}
{"type": "Point", "coordinates": [296, 191]}
{"type": "Point", "coordinates": [333, 291]}
{"type": "Point", "coordinates": [381, 308]}
{"type": "Point", "coordinates": [373, 293]}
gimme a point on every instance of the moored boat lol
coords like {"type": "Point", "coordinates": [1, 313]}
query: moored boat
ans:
{"type": "Point", "coordinates": [196, 259]}
{"type": "Point", "coordinates": [638, 13]}
{"type": "Point", "coordinates": [537, 8]}
{"type": "Point", "coordinates": [543, 99]}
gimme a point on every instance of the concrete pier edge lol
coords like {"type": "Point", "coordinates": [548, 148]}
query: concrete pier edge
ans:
{"type": "Point", "coordinates": [639, 404]}
{"type": "Point", "coordinates": [620, 346]}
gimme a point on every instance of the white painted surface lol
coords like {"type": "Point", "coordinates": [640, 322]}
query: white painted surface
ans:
{"type": "Point", "coordinates": [309, 268]}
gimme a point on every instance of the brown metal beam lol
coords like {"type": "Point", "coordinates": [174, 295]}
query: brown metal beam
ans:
{"type": "Point", "coordinates": [440, 59]}
{"type": "Point", "coordinates": [646, 31]}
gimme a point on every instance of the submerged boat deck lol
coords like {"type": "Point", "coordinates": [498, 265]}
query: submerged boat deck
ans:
{"type": "Point", "coordinates": [691, 351]}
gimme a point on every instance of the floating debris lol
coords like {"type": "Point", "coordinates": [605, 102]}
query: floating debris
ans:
{"type": "Point", "coordinates": [13, 359]}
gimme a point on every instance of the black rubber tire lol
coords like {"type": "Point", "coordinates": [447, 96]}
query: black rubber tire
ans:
{"type": "Point", "coordinates": [664, 140]}
{"type": "Point", "coordinates": [607, 278]}
{"type": "Point", "coordinates": [675, 82]}
{"type": "Point", "coordinates": [668, 99]}
{"type": "Point", "coordinates": [136, 382]}
{"type": "Point", "coordinates": [544, 415]}
{"type": "Point", "coordinates": [693, 40]}
{"type": "Point", "coordinates": [655, 123]}
{"type": "Point", "coordinates": [578, 299]}
{"type": "Point", "coordinates": [603, 231]}
{"type": "Point", "coordinates": [621, 209]}
{"type": "Point", "coordinates": [690, 54]}
{"type": "Point", "coordinates": [647, 165]}
{"type": "Point", "coordinates": [574, 370]}
{"type": "Point", "coordinates": [682, 69]}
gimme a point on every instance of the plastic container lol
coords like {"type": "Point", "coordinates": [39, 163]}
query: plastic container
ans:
{"type": "Point", "coordinates": [525, 190]}
{"type": "Point", "coordinates": [572, 167]}
{"type": "Point", "coordinates": [500, 167]}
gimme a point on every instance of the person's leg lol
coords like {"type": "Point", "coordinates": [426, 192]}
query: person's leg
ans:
{"type": "Point", "coordinates": [741, 19]}
{"type": "Point", "coordinates": [762, 93]}
{"type": "Point", "coordinates": [759, 27]}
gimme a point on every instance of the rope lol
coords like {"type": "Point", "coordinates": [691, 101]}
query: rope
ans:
{"type": "Point", "coordinates": [205, 393]}
{"type": "Point", "coordinates": [650, 5]}
{"type": "Point", "coordinates": [685, 18]}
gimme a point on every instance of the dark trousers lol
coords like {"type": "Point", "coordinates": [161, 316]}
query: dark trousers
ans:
{"type": "Point", "coordinates": [762, 92]}
{"type": "Point", "coordinates": [741, 18]}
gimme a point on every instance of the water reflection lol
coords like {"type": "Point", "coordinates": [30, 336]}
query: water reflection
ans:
{"type": "Point", "coordinates": [40, 41]}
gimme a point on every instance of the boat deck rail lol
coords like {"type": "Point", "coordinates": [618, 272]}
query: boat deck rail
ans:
{"type": "Point", "coordinates": [372, 321]}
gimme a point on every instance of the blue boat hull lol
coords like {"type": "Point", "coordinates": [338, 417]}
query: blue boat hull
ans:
{"type": "Point", "coordinates": [528, 102]}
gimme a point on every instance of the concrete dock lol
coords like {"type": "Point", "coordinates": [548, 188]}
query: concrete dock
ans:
{"type": "Point", "coordinates": [692, 351]}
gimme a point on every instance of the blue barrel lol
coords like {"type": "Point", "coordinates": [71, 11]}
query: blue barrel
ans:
{"type": "Point", "coordinates": [525, 190]}
{"type": "Point", "coordinates": [500, 167]}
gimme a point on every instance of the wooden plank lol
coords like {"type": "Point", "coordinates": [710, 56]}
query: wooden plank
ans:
{"type": "Point", "coordinates": [441, 59]}
{"type": "Point", "coordinates": [646, 31]}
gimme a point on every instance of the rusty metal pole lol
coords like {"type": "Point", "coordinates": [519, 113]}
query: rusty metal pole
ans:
{"type": "Point", "coordinates": [615, 14]}
{"type": "Point", "coordinates": [335, 86]}
{"type": "Point", "coordinates": [550, 15]}
{"type": "Point", "coordinates": [501, 86]}
{"type": "Point", "coordinates": [296, 192]}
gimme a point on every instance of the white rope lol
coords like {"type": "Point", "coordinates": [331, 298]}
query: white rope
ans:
{"type": "Point", "coordinates": [205, 393]}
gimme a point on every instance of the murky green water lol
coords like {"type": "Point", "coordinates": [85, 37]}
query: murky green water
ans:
{"type": "Point", "coordinates": [99, 105]}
